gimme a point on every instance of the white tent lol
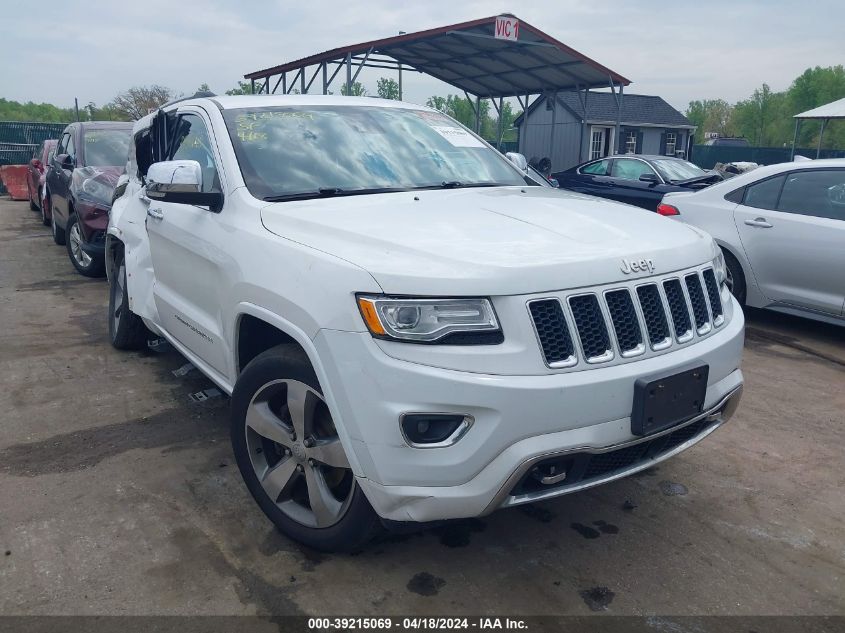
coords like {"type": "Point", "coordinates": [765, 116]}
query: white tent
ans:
{"type": "Point", "coordinates": [832, 110]}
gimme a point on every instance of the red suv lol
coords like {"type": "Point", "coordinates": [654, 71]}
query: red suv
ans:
{"type": "Point", "coordinates": [35, 176]}
{"type": "Point", "coordinates": [89, 159]}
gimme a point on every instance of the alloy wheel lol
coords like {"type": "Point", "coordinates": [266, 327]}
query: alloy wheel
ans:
{"type": "Point", "coordinates": [296, 454]}
{"type": "Point", "coordinates": [82, 258]}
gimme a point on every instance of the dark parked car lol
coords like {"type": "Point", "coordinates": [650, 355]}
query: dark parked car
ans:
{"type": "Point", "coordinates": [36, 173]}
{"type": "Point", "coordinates": [728, 141]}
{"type": "Point", "coordinates": [89, 159]}
{"type": "Point", "coordinates": [635, 178]}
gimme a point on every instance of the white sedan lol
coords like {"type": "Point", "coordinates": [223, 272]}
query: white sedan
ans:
{"type": "Point", "coordinates": [782, 231]}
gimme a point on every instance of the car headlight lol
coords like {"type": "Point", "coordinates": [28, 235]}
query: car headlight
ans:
{"type": "Point", "coordinates": [448, 321]}
{"type": "Point", "coordinates": [719, 269]}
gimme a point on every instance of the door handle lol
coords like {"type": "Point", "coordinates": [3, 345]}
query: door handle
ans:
{"type": "Point", "coordinates": [760, 223]}
{"type": "Point", "coordinates": [156, 214]}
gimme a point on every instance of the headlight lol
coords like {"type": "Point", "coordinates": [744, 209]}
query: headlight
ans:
{"type": "Point", "coordinates": [719, 269]}
{"type": "Point", "coordinates": [448, 321]}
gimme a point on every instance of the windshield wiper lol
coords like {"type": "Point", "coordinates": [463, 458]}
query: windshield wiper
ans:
{"type": "Point", "coordinates": [457, 184]}
{"type": "Point", "coordinates": [330, 192]}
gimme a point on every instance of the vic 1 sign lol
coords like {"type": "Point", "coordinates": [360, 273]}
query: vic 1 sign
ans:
{"type": "Point", "coordinates": [507, 28]}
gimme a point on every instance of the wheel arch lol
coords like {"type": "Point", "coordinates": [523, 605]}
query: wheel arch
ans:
{"type": "Point", "coordinates": [253, 316]}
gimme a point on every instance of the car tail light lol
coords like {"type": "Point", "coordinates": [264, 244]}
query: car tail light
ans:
{"type": "Point", "coordinates": [667, 209]}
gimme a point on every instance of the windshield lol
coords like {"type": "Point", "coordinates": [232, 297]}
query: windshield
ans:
{"type": "Point", "coordinates": [295, 152]}
{"type": "Point", "coordinates": [674, 170]}
{"type": "Point", "coordinates": [106, 148]}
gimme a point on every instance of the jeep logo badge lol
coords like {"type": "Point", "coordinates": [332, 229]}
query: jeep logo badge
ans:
{"type": "Point", "coordinates": [637, 266]}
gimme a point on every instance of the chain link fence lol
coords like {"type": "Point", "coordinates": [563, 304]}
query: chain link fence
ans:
{"type": "Point", "coordinates": [19, 139]}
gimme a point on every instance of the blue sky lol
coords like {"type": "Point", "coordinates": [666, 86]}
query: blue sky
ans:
{"type": "Point", "coordinates": [679, 50]}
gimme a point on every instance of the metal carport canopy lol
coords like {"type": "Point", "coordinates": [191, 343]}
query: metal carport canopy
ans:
{"type": "Point", "coordinates": [824, 113]}
{"type": "Point", "coordinates": [468, 56]}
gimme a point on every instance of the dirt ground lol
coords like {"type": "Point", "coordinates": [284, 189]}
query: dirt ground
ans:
{"type": "Point", "coordinates": [119, 495]}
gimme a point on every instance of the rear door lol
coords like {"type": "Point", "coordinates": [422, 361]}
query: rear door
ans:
{"type": "Point", "coordinates": [627, 186]}
{"type": "Point", "coordinates": [792, 228]}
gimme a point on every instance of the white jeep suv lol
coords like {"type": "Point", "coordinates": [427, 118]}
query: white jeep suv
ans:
{"type": "Point", "coordinates": [409, 328]}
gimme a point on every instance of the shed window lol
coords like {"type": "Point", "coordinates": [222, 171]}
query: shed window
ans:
{"type": "Point", "coordinates": [671, 141]}
{"type": "Point", "coordinates": [630, 142]}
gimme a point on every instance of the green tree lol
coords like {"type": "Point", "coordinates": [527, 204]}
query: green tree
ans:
{"type": "Point", "coordinates": [710, 115]}
{"type": "Point", "coordinates": [243, 88]}
{"type": "Point", "coordinates": [357, 90]}
{"type": "Point", "coordinates": [138, 101]}
{"type": "Point", "coordinates": [388, 88]}
{"type": "Point", "coordinates": [203, 88]}
{"type": "Point", "coordinates": [39, 112]}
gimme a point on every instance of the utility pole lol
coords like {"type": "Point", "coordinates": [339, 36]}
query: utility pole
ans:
{"type": "Point", "coordinates": [76, 108]}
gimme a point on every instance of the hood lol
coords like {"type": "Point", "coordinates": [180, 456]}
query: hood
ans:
{"type": "Point", "coordinates": [497, 241]}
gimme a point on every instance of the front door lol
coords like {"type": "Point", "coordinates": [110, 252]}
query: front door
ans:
{"type": "Point", "coordinates": [792, 228]}
{"type": "Point", "coordinates": [601, 141]}
{"type": "Point", "coordinates": [188, 263]}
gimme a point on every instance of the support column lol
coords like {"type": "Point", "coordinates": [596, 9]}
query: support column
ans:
{"type": "Point", "coordinates": [252, 86]}
{"type": "Point", "coordinates": [794, 139]}
{"type": "Point", "coordinates": [478, 115]}
{"type": "Point", "coordinates": [821, 136]}
{"type": "Point", "coordinates": [348, 73]}
{"type": "Point", "coordinates": [619, 119]}
{"type": "Point", "coordinates": [400, 81]}
{"type": "Point", "coordinates": [325, 78]}
{"type": "Point", "coordinates": [302, 80]}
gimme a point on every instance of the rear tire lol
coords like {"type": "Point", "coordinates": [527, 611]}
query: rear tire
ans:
{"type": "Point", "coordinates": [126, 329]}
{"type": "Point", "coordinates": [59, 235]}
{"type": "Point", "coordinates": [45, 205]}
{"type": "Point", "coordinates": [32, 205]}
{"type": "Point", "coordinates": [85, 264]}
{"type": "Point", "coordinates": [736, 278]}
{"type": "Point", "coordinates": [293, 464]}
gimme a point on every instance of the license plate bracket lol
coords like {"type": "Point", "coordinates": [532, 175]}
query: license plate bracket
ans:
{"type": "Point", "coordinates": [666, 402]}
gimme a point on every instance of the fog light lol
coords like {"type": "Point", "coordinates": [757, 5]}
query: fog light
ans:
{"type": "Point", "coordinates": [434, 430]}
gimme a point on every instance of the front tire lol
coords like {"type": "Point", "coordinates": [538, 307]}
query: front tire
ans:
{"type": "Point", "coordinates": [290, 455]}
{"type": "Point", "coordinates": [736, 278]}
{"type": "Point", "coordinates": [85, 264]}
{"type": "Point", "coordinates": [126, 329]}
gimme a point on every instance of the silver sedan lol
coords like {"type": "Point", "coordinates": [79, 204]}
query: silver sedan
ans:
{"type": "Point", "coordinates": [782, 231]}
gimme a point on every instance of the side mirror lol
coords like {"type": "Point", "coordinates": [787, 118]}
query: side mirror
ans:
{"type": "Point", "coordinates": [180, 182]}
{"type": "Point", "coordinates": [649, 177]}
{"type": "Point", "coordinates": [517, 159]}
{"type": "Point", "coordinates": [65, 161]}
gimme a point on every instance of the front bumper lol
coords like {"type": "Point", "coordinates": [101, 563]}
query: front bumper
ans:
{"type": "Point", "coordinates": [93, 222]}
{"type": "Point", "coordinates": [519, 420]}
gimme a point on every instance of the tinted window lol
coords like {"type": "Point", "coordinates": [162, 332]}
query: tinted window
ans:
{"type": "Point", "coordinates": [764, 194]}
{"type": "Point", "coordinates": [598, 168]}
{"type": "Point", "coordinates": [60, 148]}
{"type": "Point", "coordinates": [106, 148]}
{"type": "Point", "coordinates": [819, 193]}
{"type": "Point", "coordinates": [192, 144]}
{"type": "Point", "coordinates": [296, 151]}
{"type": "Point", "coordinates": [70, 150]}
{"type": "Point", "coordinates": [629, 169]}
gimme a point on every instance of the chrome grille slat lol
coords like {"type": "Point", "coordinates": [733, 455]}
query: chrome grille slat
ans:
{"type": "Point", "coordinates": [713, 296]}
{"type": "Point", "coordinates": [654, 314]}
{"type": "Point", "coordinates": [699, 303]}
{"type": "Point", "coordinates": [626, 323]}
{"type": "Point", "coordinates": [552, 332]}
{"type": "Point", "coordinates": [678, 310]}
{"type": "Point", "coordinates": [591, 328]}
{"type": "Point", "coordinates": [614, 323]}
